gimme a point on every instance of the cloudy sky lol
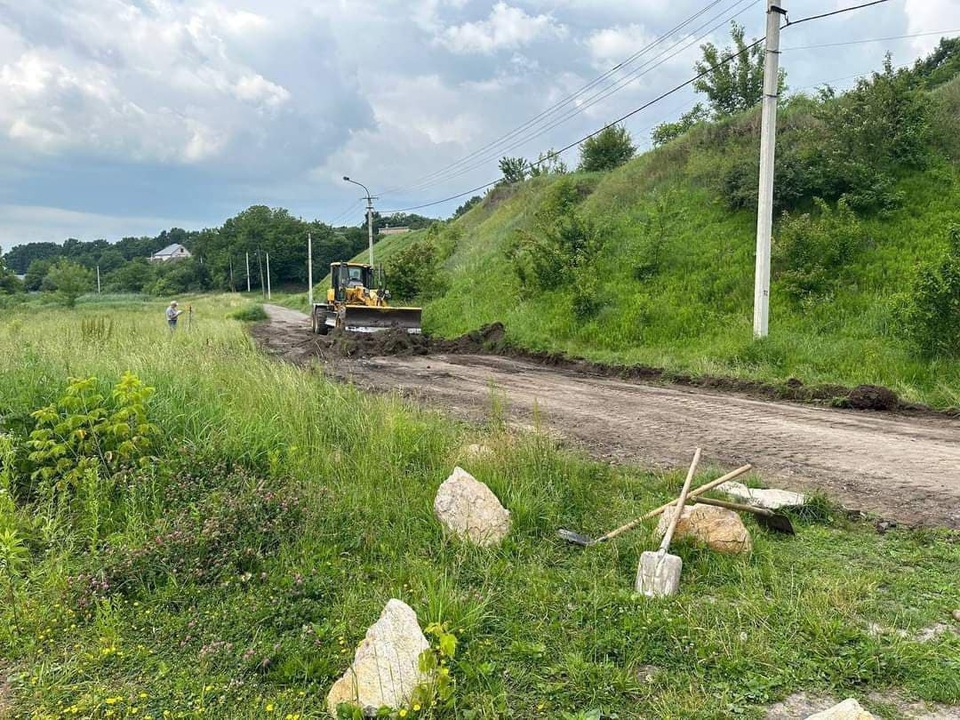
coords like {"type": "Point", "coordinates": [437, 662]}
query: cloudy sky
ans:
{"type": "Point", "coordinates": [125, 117]}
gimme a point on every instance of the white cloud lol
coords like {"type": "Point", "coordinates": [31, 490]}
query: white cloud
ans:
{"type": "Point", "coordinates": [506, 28]}
{"type": "Point", "coordinates": [163, 82]}
{"type": "Point", "coordinates": [37, 223]}
{"type": "Point", "coordinates": [929, 15]}
{"type": "Point", "coordinates": [612, 45]}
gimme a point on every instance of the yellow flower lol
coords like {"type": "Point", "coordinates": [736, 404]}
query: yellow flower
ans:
{"type": "Point", "coordinates": [403, 713]}
{"type": "Point", "coordinates": [416, 707]}
{"type": "Point", "coordinates": [270, 707]}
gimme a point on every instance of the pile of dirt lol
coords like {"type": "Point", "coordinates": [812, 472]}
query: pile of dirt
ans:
{"type": "Point", "coordinates": [490, 339]}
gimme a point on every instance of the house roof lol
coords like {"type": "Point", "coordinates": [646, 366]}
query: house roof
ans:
{"type": "Point", "coordinates": [170, 249]}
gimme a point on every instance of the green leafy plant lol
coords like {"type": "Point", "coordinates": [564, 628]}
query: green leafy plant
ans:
{"type": "Point", "coordinates": [814, 251]}
{"type": "Point", "coordinates": [931, 315]}
{"type": "Point", "coordinates": [86, 430]}
{"type": "Point", "coordinates": [608, 149]}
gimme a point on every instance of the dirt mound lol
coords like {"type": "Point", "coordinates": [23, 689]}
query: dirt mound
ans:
{"type": "Point", "coordinates": [872, 397]}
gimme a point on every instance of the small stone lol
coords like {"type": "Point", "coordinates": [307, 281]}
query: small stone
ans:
{"type": "Point", "coordinates": [956, 615]}
{"type": "Point", "coordinates": [470, 510]}
{"type": "Point", "coordinates": [386, 667]}
{"type": "Point", "coordinates": [718, 528]}
{"type": "Point", "coordinates": [847, 710]}
{"type": "Point", "coordinates": [769, 499]}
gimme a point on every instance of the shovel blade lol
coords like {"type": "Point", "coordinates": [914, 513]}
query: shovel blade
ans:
{"type": "Point", "coordinates": [658, 574]}
{"type": "Point", "coordinates": [576, 538]}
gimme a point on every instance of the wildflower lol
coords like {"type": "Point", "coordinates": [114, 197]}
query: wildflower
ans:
{"type": "Point", "coordinates": [416, 707]}
{"type": "Point", "coordinates": [269, 707]}
{"type": "Point", "coordinates": [403, 713]}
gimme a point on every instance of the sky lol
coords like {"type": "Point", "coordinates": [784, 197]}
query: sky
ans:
{"type": "Point", "coordinates": [127, 117]}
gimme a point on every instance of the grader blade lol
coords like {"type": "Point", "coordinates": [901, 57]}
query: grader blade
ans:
{"type": "Point", "coordinates": [361, 318]}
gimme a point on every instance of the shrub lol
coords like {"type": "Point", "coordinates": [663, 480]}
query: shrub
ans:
{"type": "Point", "coordinates": [253, 312]}
{"type": "Point", "coordinates": [86, 431]}
{"type": "Point", "coordinates": [68, 280]}
{"type": "Point", "coordinates": [815, 251]}
{"type": "Point", "coordinates": [608, 149]}
{"type": "Point", "coordinates": [931, 316]}
{"type": "Point", "coordinates": [415, 271]}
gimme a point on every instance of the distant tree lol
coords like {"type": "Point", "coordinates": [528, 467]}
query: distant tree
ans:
{"type": "Point", "coordinates": [734, 75]}
{"type": "Point", "coordinates": [36, 272]}
{"type": "Point", "coordinates": [940, 66]}
{"type": "Point", "coordinates": [68, 281]}
{"type": "Point", "coordinates": [134, 276]}
{"type": "Point", "coordinates": [463, 209]}
{"type": "Point", "coordinates": [514, 170]}
{"type": "Point", "coordinates": [20, 257]}
{"type": "Point", "coordinates": [665, 132]}
{"type": "Point", "coordinates": [10, 284]}
{"type": "Point", "coordinates": [548, 163]}
{"type": "Point", "coordinates": [608, 149]}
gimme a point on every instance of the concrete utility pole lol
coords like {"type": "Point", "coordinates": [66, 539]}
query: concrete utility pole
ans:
{"type": "Point", "coordinates": [768, 145]}
{"type": "Point", "coordinates": [369, 215]}
{"type": "Point", "coordinates": [310, 270]}
{"type": "Point", "coordinates": [233, 288]}
{"type": "Point", "coordinates": [98, 279]}
{"type": "Point", "coordinates": [248, 272]}
{"type": "Point", "coordinates": [263, 290]}
{"type": "Point", "coordinates": [269, 296]}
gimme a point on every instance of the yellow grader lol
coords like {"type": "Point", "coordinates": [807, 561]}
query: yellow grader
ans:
{"type": "Point", "coordinates": [357, 302]}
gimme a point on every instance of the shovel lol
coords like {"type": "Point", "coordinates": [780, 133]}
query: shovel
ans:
{"type": "Point", "coordinates": [582, 540]}
{"type": "Point", "coordinates": [658, 574]}
{"type": "Point", "coordinates": [766, 518]}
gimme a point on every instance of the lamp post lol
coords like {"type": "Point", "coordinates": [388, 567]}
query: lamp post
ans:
{"type": "Point", "coordinates": [369, 214]}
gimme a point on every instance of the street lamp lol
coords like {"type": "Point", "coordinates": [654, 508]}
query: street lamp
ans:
{"type": "Point", "coordinates": [369, 214]}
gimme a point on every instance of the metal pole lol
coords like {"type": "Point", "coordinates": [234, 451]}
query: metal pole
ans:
{"type": "Point", "coordinates": [98, 279]}
{"type": "Point", "coordinates": [310, 270]}
{"type": "Point", "coordinates": [370, 226]}
{"type": "Point", "coordinates": [768, 144]}
{"type": "Point", "coordinates": [260, 265]}
{"type": "Point", "coordinates": [268, 277]}
{"type": "Point", "coordinates": [248, 272]}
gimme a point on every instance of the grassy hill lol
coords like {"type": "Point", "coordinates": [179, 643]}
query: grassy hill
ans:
{"type": "Point", "coordinates": [668, 277]}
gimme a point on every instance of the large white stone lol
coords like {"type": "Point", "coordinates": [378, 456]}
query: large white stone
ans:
{"type": "Point", "coordinates": [720, 529]}
{"type": "Point", "coordinates": [386, 667]}
{"type": "Point", "coordinates": [769, 499]}
{"type": "Point", "coordinates": [847, 710]}
{"type": "Point", "coordinates": [470, 510]}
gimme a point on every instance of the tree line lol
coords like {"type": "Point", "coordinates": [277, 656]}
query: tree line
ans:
{"type": "Point", "coordinates": [218, 256]}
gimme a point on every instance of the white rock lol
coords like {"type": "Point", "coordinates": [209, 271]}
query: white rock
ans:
{"type": "Point", "coordinates": [720, 529]}
{"type": "Point", "coordinates": [770, 499]}
{"type": "Point", "coordinates": [470, 510]}
{"type": "Point", "coordinates": [386, 666]}
{"type": "Point", "coordinates": [847, 710]}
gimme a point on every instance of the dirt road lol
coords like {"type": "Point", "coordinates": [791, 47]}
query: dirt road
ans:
{"type": "Point", "coordinates": [903, 468]}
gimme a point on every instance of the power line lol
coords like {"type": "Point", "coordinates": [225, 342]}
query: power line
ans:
{"type": "Point", "coordinates": [346, 212]}
{"type": "Point", "coordinates": [657, 99]}
{"type": "Point", "coordinates": [589, 102]}
{"type": "Point", "coordinates": [872, 40]}
{"type": "Point", "coordinates": [426, 180]}
{"type": "Point", "coordinates": [841, 11]}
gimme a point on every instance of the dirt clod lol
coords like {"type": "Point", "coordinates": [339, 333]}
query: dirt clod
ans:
{"type": "Point", "coordinates": [872, 397]}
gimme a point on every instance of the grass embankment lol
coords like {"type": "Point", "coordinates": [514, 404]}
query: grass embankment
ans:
{"type": "Point", "coordinates": [672, 285]}
{"type": "Point", "coordinates": [234, 575]}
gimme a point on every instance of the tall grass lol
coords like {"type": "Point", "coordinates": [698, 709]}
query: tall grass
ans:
{"type": "Point", "coordinates": [544, 629]}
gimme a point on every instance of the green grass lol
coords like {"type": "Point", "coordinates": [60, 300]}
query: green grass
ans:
{"type": "Point", "coordinates": [545, 629]}
{"type": "Point", "coordinates": [695, 314]}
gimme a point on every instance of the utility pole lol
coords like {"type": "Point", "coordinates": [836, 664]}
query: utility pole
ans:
{"type": "Point", "coordinates": [260, 265]}
{"type": "Point", "coordinates": [310, 270]}
{"type": "Point", "coordinates": [233, 288]}
{"type": "Point", "coordinates": [98, 279]}
{"type": "Point", "coordinates": [768, 145]}
{"type": "Point", "coordinates": [248, 272]}
{"type": "Point", "coordinates": [268, 277]}
{"type": "Point", "coordinates": [369, 215]}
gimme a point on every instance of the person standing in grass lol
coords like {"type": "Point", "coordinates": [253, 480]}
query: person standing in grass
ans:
{"type": "Point", "coordinates": [172, 315]}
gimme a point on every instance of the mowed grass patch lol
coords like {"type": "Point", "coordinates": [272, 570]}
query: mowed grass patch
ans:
{"type": "Point", "coordinates": [289, 509]}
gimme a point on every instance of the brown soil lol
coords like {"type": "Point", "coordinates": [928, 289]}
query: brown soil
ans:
{"type": "Point", "coordinates": [903, 466]}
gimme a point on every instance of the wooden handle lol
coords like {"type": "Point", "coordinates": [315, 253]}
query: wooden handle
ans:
{"type": "Point", "coordinates": [694, 493]}
{"type": "Point", "coordinates": [737, 506]}
{"type": "Point", "coordinates": [668, 535]}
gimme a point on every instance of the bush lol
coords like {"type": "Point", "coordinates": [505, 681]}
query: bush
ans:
{"type": "Point", "coordinates": [931, 316]}
{"type": "Point", "coordinates": [253, 312]}
{"type": "Point", "coordinates": [68, 281]}
{"type": "Point", "coordinates": [608, 149]}
{"type": "Point", "coordinates": [415, 271]}
{"type": "Point", "coordinates": [814, 252]}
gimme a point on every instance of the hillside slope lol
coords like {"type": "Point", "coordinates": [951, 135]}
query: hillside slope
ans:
{"type": "Point", "coordinates": [670, 281]}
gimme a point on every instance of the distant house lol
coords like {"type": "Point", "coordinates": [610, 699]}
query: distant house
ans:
{"type": "Point", "coordinates": [171, 252]}
{"type": "Point", "coordinates": [399, 230]}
